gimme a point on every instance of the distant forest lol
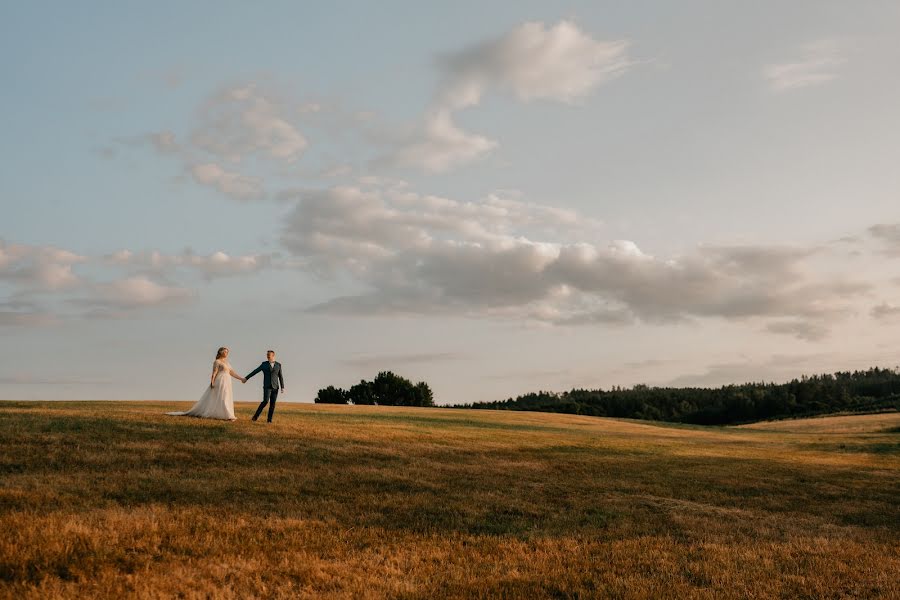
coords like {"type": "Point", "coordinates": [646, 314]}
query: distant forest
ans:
{"type": "Point", "coordinates": [858, 391]}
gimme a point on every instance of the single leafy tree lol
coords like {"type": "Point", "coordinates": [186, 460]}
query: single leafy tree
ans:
{"type": "Point", "coordinates": [331, 395]}
{"type": "Point", "coordinates": [362, 393]}
{"type": "Point", "coordinates": [424, 396]}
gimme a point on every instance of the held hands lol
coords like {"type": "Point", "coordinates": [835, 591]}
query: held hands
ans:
{"type": "Point", "coordinates": [243, 380]}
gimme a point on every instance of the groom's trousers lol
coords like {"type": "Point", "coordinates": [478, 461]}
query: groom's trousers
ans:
{"type": "Point", "coordinates": [270, 395]}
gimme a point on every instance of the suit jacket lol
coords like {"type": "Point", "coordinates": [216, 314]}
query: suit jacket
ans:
{"type": "Point", "coordinates": [271, 375]}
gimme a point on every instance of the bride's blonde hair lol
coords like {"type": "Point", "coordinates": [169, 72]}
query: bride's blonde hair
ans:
{"type": "Point", "coordinates": [221, 352]}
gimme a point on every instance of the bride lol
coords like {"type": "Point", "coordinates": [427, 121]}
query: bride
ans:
{"type": "Point", "coordinates": [217, 401]}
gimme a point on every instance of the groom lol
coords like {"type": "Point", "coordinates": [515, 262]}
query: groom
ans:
{"type": "Point", "coordinates": [271, 371]}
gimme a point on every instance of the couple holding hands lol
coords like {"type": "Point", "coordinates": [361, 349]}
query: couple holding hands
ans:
{"type": "Point", "coordinates": [217, 401]}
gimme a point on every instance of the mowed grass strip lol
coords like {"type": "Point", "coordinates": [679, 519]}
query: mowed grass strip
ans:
{"type": "Point", "coordinates": [118, 500]}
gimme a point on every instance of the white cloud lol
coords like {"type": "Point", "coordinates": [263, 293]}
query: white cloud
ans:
{"type": "Point", "coordinates": [241, 121]}
{"type": "Point", "coordinates": [36, 275]}
{"type": "Point", "coordinates": [440, 145]}
{"type": "Point", "coordinates": [135, 292]}
{"type": "Point", "coordinates": [217, 264]}
{"type": "Point", "coordinates": [38, 268]}
{"type": "Point", "coordinates": [427, 255]}
{"type": "Point", "coordinates": [532, 62]}
{"type": "Point", "coordinates": [819, 62]}
{"type": "Point", "coordinates": [240, 187]}
{"type": "Point", "coordinates": [344, 226]}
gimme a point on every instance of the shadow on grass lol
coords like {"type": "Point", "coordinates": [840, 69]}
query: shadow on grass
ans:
{"type": "Point", "coordinates": [437, 422]}
{"type": "Point", "coordinates": [81, 462]}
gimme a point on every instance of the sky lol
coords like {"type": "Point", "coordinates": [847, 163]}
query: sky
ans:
{"type": "Point", "coordinates": [494, 198]}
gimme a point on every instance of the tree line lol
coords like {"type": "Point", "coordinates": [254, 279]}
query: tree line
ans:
{"type": "Point", "coordinates": [857, 391]}
{"type": "Point", "coordinates": [387, 389]}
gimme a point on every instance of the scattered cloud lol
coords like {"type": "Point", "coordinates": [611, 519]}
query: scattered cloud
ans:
{"type": "Point", "coordinates": [235, 185]}
{"type": "Point", "coordinates": [252, 125]}
{"type": "Point", "coordinates": [818, 63]}
{"type": "Point", "coordinates": [25, 318]}
{"type": "Point", "coordinates": [40, 380]}
{"type": "Point", "coordinates": [42, 287]}
{"type": "Point", "coordinates": [531, 62]}
{"type": "Point", "coordinates": [38, 268]}
{"type": "Point", "coordinates": [170, 78]}
{"type": "Point", "coordinates": [341, 170]}
{"type": "Point", "coordinates": [439, 145]}
{"type": "Point", "coordinates": [242, 120]}
{"type": "Point", "coordinates": [888, 235]}
{"type": "Point", "coordinates": [885, 311]}
{"type": "Point", "coordinates": [163, 141]}
{"type": "Point", "coordinates": [217, 264]}
{"type": "Point", "coordinates": [533, 374]}
{"type": "Point", "coordinates": [309, 107]}
{"type": "Point", "coordinates": [776, 368]}
{"type": "Point", "coordinates": [386, 361]}
{"type": "Point", "coordinates": [240, 135]}
{"type": "Point", "coordinates": [133, 292]}
{"type": "Point", "coordinates": [810, 331]}
{"type": "Point", "coordinates": [650, 363]}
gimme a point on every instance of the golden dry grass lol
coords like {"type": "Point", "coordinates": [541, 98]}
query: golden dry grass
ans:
{"type": "Point", "coordinates": [116, 500]}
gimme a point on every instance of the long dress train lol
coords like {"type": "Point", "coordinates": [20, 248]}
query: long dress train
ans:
{"type": "Point", "coordinates": [217, 402]}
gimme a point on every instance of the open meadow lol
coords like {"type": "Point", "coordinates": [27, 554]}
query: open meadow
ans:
{"type": "Point", "coordinates": [117, 500]}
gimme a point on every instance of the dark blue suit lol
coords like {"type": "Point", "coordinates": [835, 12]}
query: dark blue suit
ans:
{"type": "Point", "coordinates": [271, 378]}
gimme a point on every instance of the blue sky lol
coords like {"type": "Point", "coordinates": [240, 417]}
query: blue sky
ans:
{"type": "Point", "coordinates": [494, 199]}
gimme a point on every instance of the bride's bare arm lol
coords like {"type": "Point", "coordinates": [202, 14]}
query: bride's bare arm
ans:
{"type": "Point", "coordinates": [236, 376]}
{"type": "Point", "coordinates": [212, 379]}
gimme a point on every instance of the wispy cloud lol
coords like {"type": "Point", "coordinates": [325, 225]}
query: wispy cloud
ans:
{"type": "Point", "coordinates": [387, 360]}
{"type": "Point", "coordinates": [888, 235]}
{"type": "Point", "coordinates": [40, 380]}
{"type": "Point", "coordinates": [235, 185]}
{"type": "Point", "coordinates": [808, 330]}
{"type": "Point", "coordinates": [885, 311]}
{"type": "Point", "coordinates": [242, 120]}
{"type": "Point", "coordinates": [817, 63]}
{"type": "Point", "coordinates": [778, 367]}
{"type": "Point", "coordinates": [135, 292]}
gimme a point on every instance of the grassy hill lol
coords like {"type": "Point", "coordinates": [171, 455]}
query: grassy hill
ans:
{"type": "Point", "coordinates": [117, 500]}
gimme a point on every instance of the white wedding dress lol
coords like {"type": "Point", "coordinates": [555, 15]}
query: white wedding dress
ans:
{"type": "Point", "coordinates": [217, 402]}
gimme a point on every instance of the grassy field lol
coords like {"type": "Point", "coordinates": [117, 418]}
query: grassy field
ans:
{"type": "Point", "coordinates": [117, 500]}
